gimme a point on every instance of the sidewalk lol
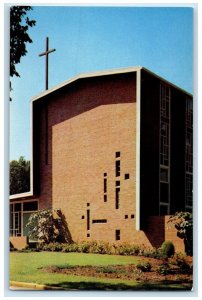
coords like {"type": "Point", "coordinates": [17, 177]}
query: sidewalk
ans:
{"type": "Point", "coordinates": [16, 285]}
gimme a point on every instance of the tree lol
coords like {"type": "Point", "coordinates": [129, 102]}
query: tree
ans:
{"type": "Point", "coordinates": [19, 26]}
{"type": "Point", "coordinates": [19, 176]}
{"type": "Point", "coordinates": [49, 226]}
{"type": "Point", "coordinates": [183, 222]}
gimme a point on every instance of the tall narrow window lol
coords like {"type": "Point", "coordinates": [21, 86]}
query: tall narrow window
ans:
{"type": "Point", "coordinates": [164, 150]}
{"type": "Point", "coordinates": [88, 219]}
{"type": "Point", "coordinates": [118, 169]}
{"type": "Point", "coordinates": [117, 235]}
{"type": "Point", "coordinates": [117, 201]}
{"type": "Point", "coordinates": [105, 185]}
{"type": "Point", "coordinates": [189, 153]}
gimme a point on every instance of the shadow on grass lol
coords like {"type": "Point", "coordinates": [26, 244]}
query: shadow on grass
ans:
{"type": "Point", "coordinates": [144, 286]}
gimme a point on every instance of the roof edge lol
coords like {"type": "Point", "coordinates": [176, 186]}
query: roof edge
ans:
{"type": "Point", "coordinates": [21, 195]}
{"type": "Point", "coordinates": [87, 75]}
{"type": "Point", "coordinates": [167, 81]}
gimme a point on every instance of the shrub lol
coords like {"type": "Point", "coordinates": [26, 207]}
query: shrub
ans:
{"type": "Point", "coordinates": [183, 222]}
{"type": "Point", "coordinates": [167, 248]}
{"type": "Point", "coordinates": [144, 267]}
{"type": "Point", "coordinates": [163, 269]}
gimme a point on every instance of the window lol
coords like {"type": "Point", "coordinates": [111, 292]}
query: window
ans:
{"type": "Point", "coordinates": [100, 221]}
{"type": "Point", "coordinates": [30, 206]}
{"type": "Point", "coordinates": [164, 149]}
{"type": "Point", "coordinates": [118, 170]}
{"type": "Point", "coordinates": [126, 216]}
{"type": "Point", "coordinates": [118, 154]}
{"type": "Point", "coordinates": [105, 185]}
{"type": "Point", "coordinates": [127, 176]}
{"type": "Point", "coordinates": [132, 216]}
{"type": "Point", "coordinates": [164, 175]}
{"type": "Point", "coordinates": [105, 174]}
{"type": "Point", "coordinates": [19, 215]}
{"type": "Point", "coordinates": [82, 217]}
{"type": "Point", "coordinates": [88, 234]}
{"type": "Point", "coordinates": [88, 204]}
{"type": "Point", "coordinates": [117, 183]}
{"type": "Point", "coordinates": [117, 235]}
{"type": "Point", "coordinates": [117, 197]}
{"type": "Point", "coordinates": [105, 198]}
{"type": "Point", "coordinates": [88, 219]}
{"type": "Point", "coordinates": [189, 154]}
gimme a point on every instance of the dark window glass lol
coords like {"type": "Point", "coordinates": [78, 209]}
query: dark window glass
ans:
{"type": "Point", "coordinates": [164, 175]}
{"type": "Point", "coordinates": [126, 216]}
{"type": "Point", "coordinates": [117, 183]}
{"type": "Point", "coordinates": [88, 219]}
{"type": "Point", "coordinates": [127, 176]}
{"type": "Point", "coordinates": [117, 197]}
{"type": "Point", "coordinates": [88, 234]}
{"type": "Point", "coordinates": [118, 154]}
{"type": "Point", "coordinates": [132, 216]}
{"type": "Point", "coordinates": [100, 221]}
{"type": "Point", "coordinates": [163, 210]}
{"type": "Point", "coordinates": [164, 192]}
{"type": "Point", "coordinates": [105, 198]}
{"type": "Point", "coordinates": [30, 206]}
{"type": "Point", "coordinates": [117, 235]}
{"type": "Point", "coordinates": [105, 185]}
{"type": "Point", "coordinates": [118, 170]}
{"type": "Point", "coordinates": [17, 207]}
{"type": "Point", "coordinates": [105, 174]}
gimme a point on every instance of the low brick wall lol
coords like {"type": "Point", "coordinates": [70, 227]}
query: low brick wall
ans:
{"type": "Point", "coordinates": [19, 242]}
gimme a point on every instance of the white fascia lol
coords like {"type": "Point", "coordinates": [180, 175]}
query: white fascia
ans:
{"type": "Point", "coordinates": [138, 113]}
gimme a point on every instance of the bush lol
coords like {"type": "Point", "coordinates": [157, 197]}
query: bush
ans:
{"type": "Point", "coordinates": [163, 269]}
{"type": "Point", "coordinates": [167, 248]}
{"type": "Point", "coordinates": [144, 267]}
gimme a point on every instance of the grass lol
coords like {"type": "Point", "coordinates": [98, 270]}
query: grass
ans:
{"type": "Point", "coordinates": [26, 267]}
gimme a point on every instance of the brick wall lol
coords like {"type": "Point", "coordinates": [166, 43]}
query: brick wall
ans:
{"type": "Point", "coordinates": [88, 123]}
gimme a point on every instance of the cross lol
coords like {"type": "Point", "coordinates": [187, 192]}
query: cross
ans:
{"type": "Point", "coordinates": [46, 53]}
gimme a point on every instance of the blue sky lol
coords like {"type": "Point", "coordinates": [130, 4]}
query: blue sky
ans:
{"type": "Point", "coordinates": [96, 38]}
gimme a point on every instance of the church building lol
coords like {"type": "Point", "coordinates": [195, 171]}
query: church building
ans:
{"type": "Point", "coordinates": [113, 150]}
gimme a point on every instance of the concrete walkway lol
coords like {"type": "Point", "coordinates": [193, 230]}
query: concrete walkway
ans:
{"type": "Point", "coordinates": [21, 286]}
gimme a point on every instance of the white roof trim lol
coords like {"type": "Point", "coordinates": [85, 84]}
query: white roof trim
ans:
{"type": "Point", "coordinates": [22, 195]}
{"type": "Point", "coordinates": [104, 73]}
{"type": "Point", "coordinates": [86, 75]}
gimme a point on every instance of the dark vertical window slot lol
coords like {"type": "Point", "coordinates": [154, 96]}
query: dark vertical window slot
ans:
{"type": "Point", "coordinates": [117, 197]}
{"type": "Point", "coordinates": [117, 235]}
{"type": "Point", "coordinates": [88, 219]}
{"type": "Point", "coordinates": [118, 168]}
{"type": "Point", "coordinates": [105, 185]}
{"type": "Point", "coordinates": [105, 198]}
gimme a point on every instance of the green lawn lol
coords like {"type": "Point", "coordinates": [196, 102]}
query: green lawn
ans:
{"type": "Point", "coordinates": [25, 267]}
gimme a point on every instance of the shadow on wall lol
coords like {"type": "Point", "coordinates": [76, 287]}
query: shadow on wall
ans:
{"type": "Point", "coordinates": [155, 230]}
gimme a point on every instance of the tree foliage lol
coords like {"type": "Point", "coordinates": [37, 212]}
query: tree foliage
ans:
{"type": "Point", "coordinates": [49, 226]}
{"type": "Point", "coordinates": [183, 222]}
{"type": "Point", "coordinates": [19, 176]}
{"type": "Point", "coordinates": [19, 26]}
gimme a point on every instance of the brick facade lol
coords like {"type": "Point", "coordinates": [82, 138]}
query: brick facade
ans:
{"type": "Point", "coordinates": [84, 158]}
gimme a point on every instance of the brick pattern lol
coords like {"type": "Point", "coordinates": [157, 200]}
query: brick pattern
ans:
{"type": "Point", "coordinates": [87, 126]}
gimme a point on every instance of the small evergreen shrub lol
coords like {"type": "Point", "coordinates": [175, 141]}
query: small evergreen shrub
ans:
{"type": "Point", "coordinates": [167, 248]}
{"type": "Point", "coordinates": [144, 266]}
{"type": "Point", "coordinates": [163, 269]}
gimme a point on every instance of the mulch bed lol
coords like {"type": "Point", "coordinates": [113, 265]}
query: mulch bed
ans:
{"type": "Point", "coordinates": [130, 272]}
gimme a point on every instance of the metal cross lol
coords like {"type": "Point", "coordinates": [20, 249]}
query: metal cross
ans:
{"type": "Point", "coordinates": [46, 53]}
